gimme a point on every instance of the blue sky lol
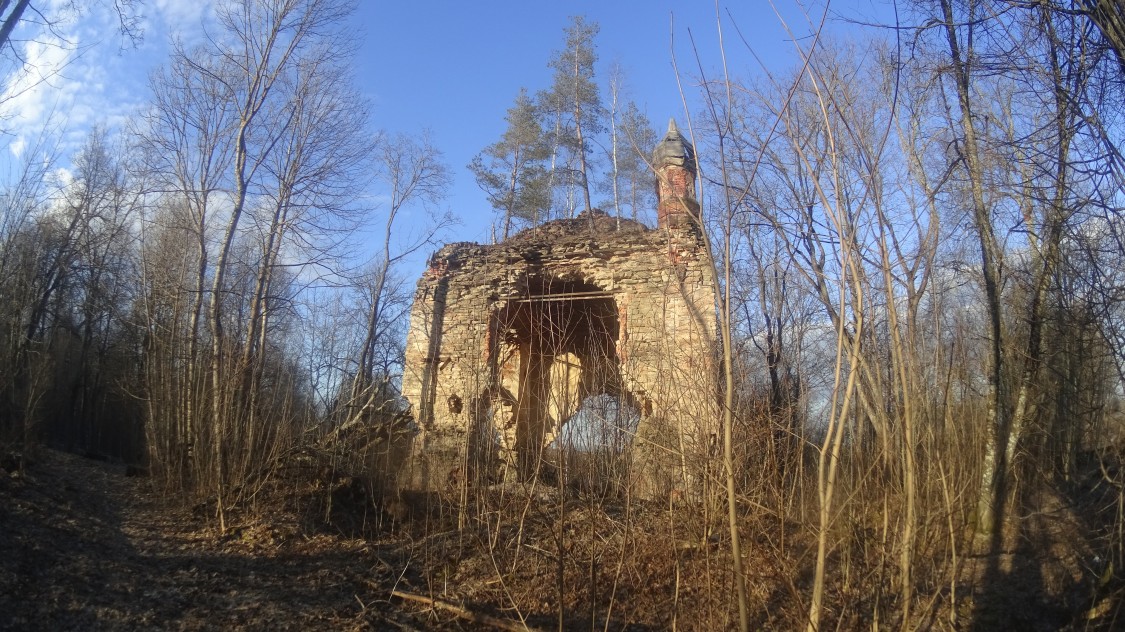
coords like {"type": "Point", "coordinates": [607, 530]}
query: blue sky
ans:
{"type": "Point", "coordinates": [451, 67]}
{"type": "Point", "coordinates": [456, 67]}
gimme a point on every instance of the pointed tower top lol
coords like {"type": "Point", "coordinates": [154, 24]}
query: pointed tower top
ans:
{"type": "Point", "coordinates": [674, 149]}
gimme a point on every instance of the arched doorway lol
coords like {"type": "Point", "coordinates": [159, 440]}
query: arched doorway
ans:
{"type": "Point", "coordinates": [552, 348]}
{"type": "Point", "coordinates": [591, 451]}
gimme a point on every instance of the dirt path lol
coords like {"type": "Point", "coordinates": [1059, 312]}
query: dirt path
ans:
{"type": "Point", "coordinates": [82, 547]}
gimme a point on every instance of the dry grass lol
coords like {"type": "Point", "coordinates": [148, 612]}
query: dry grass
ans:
{"type": "Point", "coordinates": [86, 546]}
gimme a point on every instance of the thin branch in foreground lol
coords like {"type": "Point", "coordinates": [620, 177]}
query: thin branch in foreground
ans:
{"type": "Point", "coordinates": [502, 624]}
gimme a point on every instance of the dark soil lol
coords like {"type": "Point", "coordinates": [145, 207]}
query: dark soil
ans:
{"type": "Point", "coordinates": [83, 547]}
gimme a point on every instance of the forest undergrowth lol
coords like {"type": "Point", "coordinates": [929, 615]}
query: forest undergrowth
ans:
{"type": "Point", "coordinates": [87, 547]}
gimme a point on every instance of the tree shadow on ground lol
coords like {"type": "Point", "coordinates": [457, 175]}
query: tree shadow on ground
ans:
{"type": "Point", "coordinates": [85, 548]}
{"type": "Point", "coordinates": [1051, 569]}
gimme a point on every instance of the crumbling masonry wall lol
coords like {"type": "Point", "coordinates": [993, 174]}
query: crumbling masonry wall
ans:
{"type": "Point", "coordinates": [506, 341]}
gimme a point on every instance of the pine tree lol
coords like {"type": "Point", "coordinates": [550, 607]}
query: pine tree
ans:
{"type": "Point", "coordinates": [512, 171]}
{"type": "Point", "coordinates": [636, 137]}
{"type": "Point", "coordinates": [573, 102]}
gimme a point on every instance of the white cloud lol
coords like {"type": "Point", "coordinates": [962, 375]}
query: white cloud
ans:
{"type": "Point", "coordinates": [179, 15]}
{"type": "Point", "coordinates": [28, 90]}
{"type": "Point", "coordinates": [82, 73]}
{"type": "Point", "coordinates": [63, 177]}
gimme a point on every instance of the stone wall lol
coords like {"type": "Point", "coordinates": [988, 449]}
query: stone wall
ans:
{"type": "Point", "coordinates": [506, 340]}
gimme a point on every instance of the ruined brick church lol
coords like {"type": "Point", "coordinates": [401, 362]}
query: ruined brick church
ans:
{"type": "Point", "coordinates": [507, 342]}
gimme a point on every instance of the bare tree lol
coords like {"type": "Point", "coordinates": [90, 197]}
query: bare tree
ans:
{"type": "Point", "coordinates": [257, 122]}
{"type": "Point", "coordinates": [412, 173]}
{"type": "Point", "coordinates": [182, 136]}
{"type": "Point", "coordinates": [307, 193]}
{"type": "Point", "coordinates": [23, 12]}
{"type": "Point", "coordinates": [34, 256]}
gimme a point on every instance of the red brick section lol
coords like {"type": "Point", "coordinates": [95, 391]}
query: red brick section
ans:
{"type": "Point", "coordinates": [675, 189]}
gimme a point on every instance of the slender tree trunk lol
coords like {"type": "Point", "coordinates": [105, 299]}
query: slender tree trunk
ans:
{"type": "Point", "coordinates": [1045, 251]}
{"type": "Point", "coordinates": [993, 467]}
{"type": "Point", "coordinates": [251, 363]}
{"type": "Point", "coordinates": [578, 133]}
{"type": "Point", "coordinates": [365, 373]}
{"type": "Point", "coordinates": [218, 341]}
{"type": "Point", "coordinates": [13, 18]}
{"type": "Point", "coordinates": [193, 426]}
{"type": "Point", "coordinates": [513, 182]}
{"type": "Point", "coordinates": [613, 156]}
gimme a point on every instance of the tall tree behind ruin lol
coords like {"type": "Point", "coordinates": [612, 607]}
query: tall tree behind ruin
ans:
{"type": "Point", "coordinates": [632, 173]}
{"type": "Point", "coordinates": [572, 107]}
{"type": "Point", "coordinates": [513, 171]}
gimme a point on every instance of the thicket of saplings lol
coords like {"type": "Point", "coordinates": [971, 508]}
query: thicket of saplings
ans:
{"type": "Point", "coordinates": [919, 253]}
{"type": "Point", "coordinates": [606, 556]}
{"type": "Point", "coordinates": [609, 556]}
{"type": "Point", "coordinates": [90, 379]}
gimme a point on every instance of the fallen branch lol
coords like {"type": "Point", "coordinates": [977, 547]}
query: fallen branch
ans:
{"type": "Point", "coordinates": [502, 624]}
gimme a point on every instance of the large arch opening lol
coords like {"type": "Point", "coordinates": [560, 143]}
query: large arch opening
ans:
{"type": "Point", "coordinates": [553, 348]}
{"type": "Point", "coordinates": [591, 451]}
